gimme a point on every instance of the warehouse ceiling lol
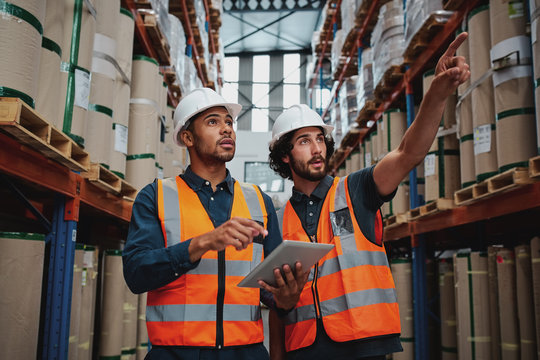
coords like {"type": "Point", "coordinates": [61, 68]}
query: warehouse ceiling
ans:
{"type": "Point", "coordinates": [266, 26]}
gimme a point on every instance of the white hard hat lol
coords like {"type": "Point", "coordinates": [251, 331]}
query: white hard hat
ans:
{"type": "Point", "coordinates": [294, 118]}
{"type": "Point", "coordinates": [196, 102]}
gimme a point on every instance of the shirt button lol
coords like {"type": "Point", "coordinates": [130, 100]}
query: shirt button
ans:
{"type": "Point", "coordinates": [220, 188]}
{"type": "Point", "coordinates": [212, 198]}
{"type": "Point", "coordinates": [207, 183]}
{"type": "Point", "coordinates": [310, 202]}
{"type": "Point", "coordinates": [175, 274]}
{"type": "Point", "coordinates": [310, 214]}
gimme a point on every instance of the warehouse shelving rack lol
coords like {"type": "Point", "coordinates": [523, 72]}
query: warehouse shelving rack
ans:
{"type": "Point", "coordinates": [521, 204]}
{"type": "Point", "coordinates": [51, 198]}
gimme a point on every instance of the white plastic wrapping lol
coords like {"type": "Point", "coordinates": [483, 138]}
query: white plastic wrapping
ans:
{"type": "Point", "coordinates": [417, 12]}
{"type": "Point", "coordinates": [348, 15]}
{"type": "Point", "coordinates": [177, 42]}
{"type": "Point", "coordinates": [364, 84]}
{"type": "Point", "coordinates": [387, 39]}
{"type": "Point", "coordinates": [337, 46]}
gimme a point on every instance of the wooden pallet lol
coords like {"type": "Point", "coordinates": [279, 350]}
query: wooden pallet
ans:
{"type": "Point", "coordinates": [108, 181]}
{"type": "Point", "coordinates": [437, 206]}
{"type": "Point", "coordinates": [534, 167]}
{"type": "Point", "coordinates": [420, 41]}
{"type": "Point", "coordinates": [366, 113]}
{"type": "Point", "coordinates": [22, 122]}
{"type": "Point", "coordinates": [395, 220]}
{"type": "Point", "coordinates": [508, 180]}
{"type": "Point", "coordinates": [127, 191]}
{"type": "Point", "coordinates": [388, 81]}
{"type": "Point", "coordinates": [156, 36]}
{"type": "Point", "coordinates": [499, 183]}
{"type": "Point", "coordinates": [413, 214]}
{"type": "Point", "coordinates": [103, 178]}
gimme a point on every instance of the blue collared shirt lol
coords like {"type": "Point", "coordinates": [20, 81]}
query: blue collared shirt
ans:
{"type": "Point", "coordinates": [149, 265]}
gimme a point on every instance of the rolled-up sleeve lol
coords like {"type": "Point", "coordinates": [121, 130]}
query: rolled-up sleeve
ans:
{"type": "Point", "coordinates": [148, 264]}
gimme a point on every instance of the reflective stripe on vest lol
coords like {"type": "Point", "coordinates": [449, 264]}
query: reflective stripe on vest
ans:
{"type": "Point", "coordinates": [354, 288]}
{"type": "Point", "coordinates": [333, 306]}
{"type": "Point", "coordinates": [172, 211]}
{"type": "Point", "coordinates": [202, 312]}
{"type": "Point", "coordinates": [184, 312]}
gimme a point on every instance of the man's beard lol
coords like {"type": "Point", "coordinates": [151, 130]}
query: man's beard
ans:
{"type": "Point", "coordinates": [302, 169]}
{"type": "Point", "coordinates": [204, 153]}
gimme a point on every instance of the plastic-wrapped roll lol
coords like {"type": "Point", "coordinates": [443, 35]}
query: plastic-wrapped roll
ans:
{"type": "Point", "coordinates": [119, 138]}
{"type": "Point", "coordinates": [525, 302]}
{"type": "Point", "coordinates": [112, 303]}
{"type": "Point", "coordinates": [368, 155]}
{"type": "Point", "coordinates": [79, 31]}
{"type": "Point", "coordinates": [441, 168]}
{"type": "Point", "coordinates": [355, 160]}
{"type": "Point", "coordinates": [21, 26]}
{"type": "Point", "coordinates": [100, 115]}
{"type": "Point", "coordinates": [47, 98]}
{"type": "Point", "coordinates": [506, 276]}
{"type": "Point", "coordinates": [144, 84]}
{"type": "Point", "coordinates": [129, 333]}
{"type": "Point", "coordinates": [402, 272]}
{"type": "Point", "coordinates": [348, 165]}
{"type": "Point", "coordinates": [76, 298]}
{"type": "Point", "coordinates": [394, 127]}
{"type": "Point", "coordinates": [465, 127]}
{"type": "Point", "coordinates": [142, 333]}
{"type": "Point", "coordinates": [493, 289]}
{"type": "Point", "coordinates": [21, 257]}
{"type": "Point", "coordinates": [124, 41]}
{"type": "Point", "coordinates": [514, 96]}
{"type": "Point", "coordinates": [400, 204]}
{"type": "Point", "coordinates": [88, 302]}
{"type": "Point", "coordinates": [472, 305]}
{"type": "Point", "coordinates": [447, 310]}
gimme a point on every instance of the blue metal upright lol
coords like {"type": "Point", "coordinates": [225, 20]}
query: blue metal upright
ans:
{"type": "Point", "coordinates": [418, 248]}
{"type": "Point", "coordinates": [60, 278]}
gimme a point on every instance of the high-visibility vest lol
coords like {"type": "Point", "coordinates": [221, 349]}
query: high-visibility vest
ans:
{"type": "Point", "coordinates": [351, 289]}
{"type": "Point", "coordinates": [204, 307]}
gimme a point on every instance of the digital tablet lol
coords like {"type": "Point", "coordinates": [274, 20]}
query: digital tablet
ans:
{"type": "Point", "coordinates": [288, 252]}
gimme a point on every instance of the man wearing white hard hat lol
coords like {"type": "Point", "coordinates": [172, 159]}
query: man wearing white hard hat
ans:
{"type": "Point", "coordinates": [348, 308]}
{"type": "Point", "coordinates": [192, 238]}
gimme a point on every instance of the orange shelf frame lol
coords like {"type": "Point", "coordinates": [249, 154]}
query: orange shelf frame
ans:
{"type": "Point", "coordinates": [22, 162]}
{"type": "Point", "coordinates": [520, 199]}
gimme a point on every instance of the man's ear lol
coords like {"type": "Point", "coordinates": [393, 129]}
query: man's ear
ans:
{"type": "Point", "coordinates": [286, 159]}
{"type": "Point", "coordinates": [187, 137]}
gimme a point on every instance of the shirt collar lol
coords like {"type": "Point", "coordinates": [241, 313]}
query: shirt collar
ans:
{"type": "Point", "coordinates": [320, 191]}
{"type": "Point", "coordinates": [196, 182]}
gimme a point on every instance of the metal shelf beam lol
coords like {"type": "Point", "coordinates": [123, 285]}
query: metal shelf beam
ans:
{"type": "Point", "coordinates": [22, 162]}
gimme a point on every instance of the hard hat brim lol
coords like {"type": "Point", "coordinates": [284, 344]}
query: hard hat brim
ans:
{"type": "Point", "coordinates": [327, 131]}
{"type": "Point", "coordinates": [232, 108]}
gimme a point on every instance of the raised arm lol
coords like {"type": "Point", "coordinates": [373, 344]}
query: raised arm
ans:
{"type": "Point", "coordinates": [451, 71]}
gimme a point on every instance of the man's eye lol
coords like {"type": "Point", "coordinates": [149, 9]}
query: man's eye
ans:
{"type": "Point", "coordinates": [229, 123]}
{"type": "Point", "coordinates": [211, 122]}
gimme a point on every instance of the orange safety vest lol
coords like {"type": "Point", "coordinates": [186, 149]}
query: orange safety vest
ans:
{"type": "Point", "coordinates": [204, 307]}
{"type": "Point", "coordinates": [351, 288]}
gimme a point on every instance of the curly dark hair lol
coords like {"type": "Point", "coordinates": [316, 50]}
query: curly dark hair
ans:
{"type": "Point", "coordinates": [283, 147]}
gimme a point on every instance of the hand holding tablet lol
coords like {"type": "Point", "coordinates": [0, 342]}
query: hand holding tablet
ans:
{"type": "Point", "coordinates": [289, 252]}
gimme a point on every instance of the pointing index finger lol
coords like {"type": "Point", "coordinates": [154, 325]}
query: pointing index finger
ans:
{"type": "Point", "coordinates": [456, 44]}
